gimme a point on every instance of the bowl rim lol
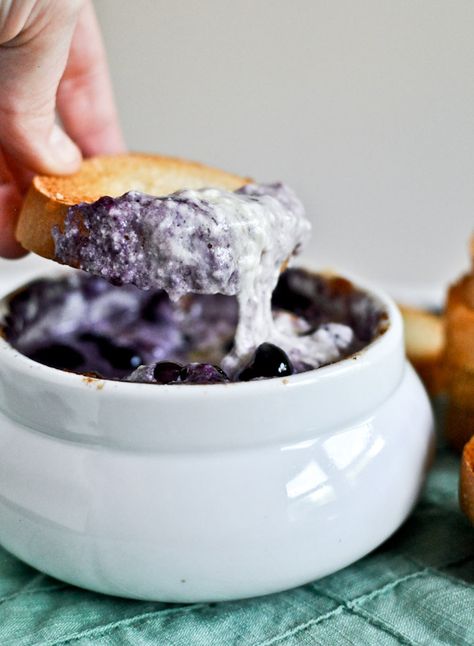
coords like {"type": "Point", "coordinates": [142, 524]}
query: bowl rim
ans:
{"type": "Point", "coordinates": [76, 380]}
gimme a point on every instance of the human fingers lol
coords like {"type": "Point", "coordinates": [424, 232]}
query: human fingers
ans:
{"type": "Point", "coordinates": [32, 63]}
{"type": "Point", "coordinates": [85, 98]}
{"type": "Point", "coordinates": [10, 203]}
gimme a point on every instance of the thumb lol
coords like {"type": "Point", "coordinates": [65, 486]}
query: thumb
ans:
{"type": "Point", "coordinates": [31, 66]}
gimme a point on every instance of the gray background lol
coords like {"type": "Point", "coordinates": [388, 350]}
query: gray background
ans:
{"type": "Point", "coordinates": [365, 107]}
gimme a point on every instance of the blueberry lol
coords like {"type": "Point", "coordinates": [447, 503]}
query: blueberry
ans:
{"type": "Point", "coordinates": [22, 309]}
{"type": "Point", "coordinates": [287, 296]}
{"type": "Point", "coordinates": [268, 361]}
{"type": "Point", "coordinates": [8, 322]}
{"type": "Point", "coordinates": [167, 372]}
{"type": "Point", "coordinates": [58, 355]}
{"type": "Point", "coordinates": [151, 309]}
{"type": "Point", "coordinates": [203, 373]}
{"type": "Point", "coordinates": [18, 301]}
{"type": "Point", "coordinates": [120, 357]}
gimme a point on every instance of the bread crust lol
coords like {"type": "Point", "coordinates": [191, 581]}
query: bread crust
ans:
{"type": "Point", "coordinates": [424, 345]}
{"type": "Point", "coordinates": [49, 197]}
{"type": "Point", "coordinates": [459, 361]}
{"type": "Point", "coordinates": [466, 481]}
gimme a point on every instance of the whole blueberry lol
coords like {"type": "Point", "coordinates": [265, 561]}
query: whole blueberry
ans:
{"type": "Point", "coordinates": [268, 361]}
{"type": "Point", "coordinates": [155, 306]}
{"type": "Point", "coordinates": [18, 303]}
{"type": "Point", "coordinates": [203, 373]}
{"type": "Point", "coordinates": [287, 296]}
{"type": "Point", "coordinates": [167, 372]}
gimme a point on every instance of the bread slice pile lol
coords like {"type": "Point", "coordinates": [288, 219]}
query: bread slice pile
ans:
{"type": "Point", "coordinates": [424, 344]}
{"type": "Point", "coordinates": [466, 481]}
{"type": "Point", "coordinates": [459, 361]}
{"type": "Point", "coordinates": [441, 349]}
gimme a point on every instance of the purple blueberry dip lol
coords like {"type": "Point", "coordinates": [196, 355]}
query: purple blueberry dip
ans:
{"type": "Point", "coordinates": [83, 324]}
{"type": "Point", "coordinates": [193, 241]}
{"type": "Point", "coordinates": [206, 241]}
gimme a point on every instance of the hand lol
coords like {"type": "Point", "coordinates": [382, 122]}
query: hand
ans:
{"type": "Point", "coordinates": [52, 60]}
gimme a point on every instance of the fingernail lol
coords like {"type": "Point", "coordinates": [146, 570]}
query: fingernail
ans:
{"type": "Point", "coordinates": [65, 152]}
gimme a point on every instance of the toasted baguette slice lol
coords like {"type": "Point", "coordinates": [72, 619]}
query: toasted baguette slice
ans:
{"type": "Point", "coordinates": [466, 481]}
{"type": "Point", "coordinates": [49, 197]}
{"type": "Point", "coordinates": [424, 344]}
{"type": "Point", "coordinates": [460, 324]}
{"type": "Point", "coordinates": [459, 361]}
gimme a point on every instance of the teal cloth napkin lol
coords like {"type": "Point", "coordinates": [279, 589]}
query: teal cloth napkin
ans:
{"type": "Point", "coordinates": [418, 588]}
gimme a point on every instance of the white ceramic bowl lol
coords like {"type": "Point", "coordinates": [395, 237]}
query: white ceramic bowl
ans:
{"type": "Point", "coordinates": [205, 493]}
